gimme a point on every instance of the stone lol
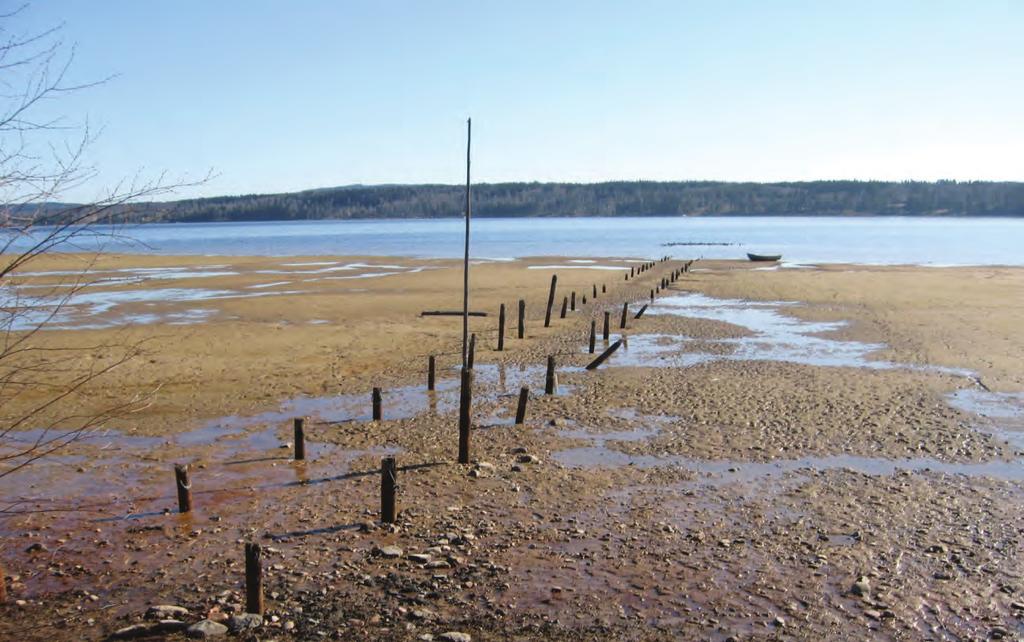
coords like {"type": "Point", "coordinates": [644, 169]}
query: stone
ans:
{"type": "Point", "coordinates": [527, 459]}
{"type": "Point", "coordinates": [245, 622]}
{"type": "Point", "coordinates": [133, 631]}
{"type": "Point", "coordinates": [206, 629]}
{"type": "Point", "coordinates": [419, 558]}
{"type": "Point", "coordinates": [455, 636]}
{"type": "Point", "coordinates": [422, 614]}
{"type": "Point", "coordinates": [165, 612]}
{"type": "Point", "coordinates": [873, 614]}
{"type": "Point", "coordinates": [390, 552]}
{"type": "Point", "coordinates": [861, 588]}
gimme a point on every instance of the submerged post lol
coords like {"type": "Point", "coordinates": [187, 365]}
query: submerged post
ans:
{"type": "Point", "coordinates": [551, 301]}
{"type": "Point", "coordinates": [593, 335]}
{"type": "Point", "coordinates": [184, 488]}
{"type": "Point", "coordinates": [465, 414]}
{"type": "Point", "coordinates": [253, 578]}
{"type": "Point", "coordinates": [299, 424]}
{"type": "Point", "coordinates": [375, 397]}
{"type": "Point", "coordinates": [524, 395]}
{"type": "Point", "coordinates": [551, 379]}
{"type": "Point", "coordinates": [501, 327]}
{"type": "Point", "coordinates": [388, 484]}
{"type": "Point", "coordinates": [431, 369]}
{"type": "Point", "coordinates": [522, 318]}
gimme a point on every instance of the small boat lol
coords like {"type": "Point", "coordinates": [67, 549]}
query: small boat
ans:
{"type": "Point", "coordinates": [763, 257]}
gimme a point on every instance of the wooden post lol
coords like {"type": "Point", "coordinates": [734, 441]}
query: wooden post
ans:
{"type": "Point", "coordinates": [584, 302]}
{"type": "Point", "coordinates": [595, 292]}
{"type": "Point", "coordinates": [253, 578]}
{"type": "Point", "coordinates": [375, 397]}
{"type": "Point", "coordinates": [625, 311]}
{"type": "Point", "coordinates": [603, 288]}
{"type": "Point", "coordinates": [551, 301]}
{"type": "Point", "coordinates": [607, 323]}
{"type": "Point", "coordinates": [652, 295]}
{"type": "Point", "coordinates": [184, 488]}
{"type": "Point", "coordinates": [300, 438]}
{"type": "Point", "coordinates": [572, 301]}
{"type": "Point", "coordinates": [431, 369]}
{"type": "Point", "coordinates": [604, 355]}
{"type": "Point", "coordinates": [641, 312]}
{"type": "Point", "coordinates": [593, 335]}
{"type": "Point", "coordinates": [388, 484]}
{"type": "Point", "coordinates": [465, 414]}
{"type": "Point", "coordinates": [632, 272]}
{"type": "Point", "coordinates": [471, 359]}
{"type": "Point", "coordinates": [565, 305]}
{"type": "Point", "coordinates": [551, 380]}
{"type": "Point", "coordinates": [524, 395]}
{"type": "Point", "coordinates": [501, 328]}
{"type": "Point", "coordinates": [522, 318]}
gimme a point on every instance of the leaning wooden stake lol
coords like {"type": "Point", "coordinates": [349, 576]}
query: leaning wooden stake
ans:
{"type": "Point", "coordinates": [604, 355]}
{"type": "Point", "coordinates": [522, 318]}
{"type": "Point", "coordinates": [551, 301]}
{"type": "Point", "coordinates": [551, 380]}
{"type": "Point", "coordinates": [465, 414]}
{"type": "Point", "coordinates": [253, 578]}
{"type": "Point", "coordinates": [184, 488]}
{"type": "Point", "coordinates": [431, 372]}
{"type": "Point", "coordinates": [625, 311]}
{"type": "Point", "coordinates": [299, 424]}
{"type": "Point", "coordinates": [593, 335]}
{"type": "Point", "coordinates": [641, 312]}
{"type": "Point", "coordinates": [388, 484]}
{"type": "Point", "coordinates": [501, 327]}
{"type": "Point", "coordinates": [524, 395]}
{"type": "Point", "coordinates": [375, 397]}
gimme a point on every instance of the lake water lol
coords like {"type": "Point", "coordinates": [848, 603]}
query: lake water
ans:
{"type": "Point", "coordinates": [882, 240]}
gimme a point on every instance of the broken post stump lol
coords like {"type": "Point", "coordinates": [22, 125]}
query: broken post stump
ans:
{"type": "Point", "coordinates": [551, 379]}
{"type": "Point", "coordinates": [299, 423]}
{"type": "Point", "coordinates": [184, 488]}
{"type": "Point", "coordinates": [388, 485]}
{"type": "Point", "coordinates": [595, 292]}
{"type": "Point", "coordinates": [604, 355]}
{"type": "Point", "coordinates": [524, 395]}
{"type": "Point", "coordinates": [565, 305]}
{"type": "Point", "coordinates": [375, 398]}
{"type": "Point", "coordinates": [253, 578]}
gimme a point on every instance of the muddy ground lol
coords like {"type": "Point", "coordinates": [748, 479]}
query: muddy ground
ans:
{"type": "Point", "coordinates": [812, 453]}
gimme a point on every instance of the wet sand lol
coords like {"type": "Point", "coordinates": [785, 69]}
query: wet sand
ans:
{"type": "Point", "coordinates": [793, 453]}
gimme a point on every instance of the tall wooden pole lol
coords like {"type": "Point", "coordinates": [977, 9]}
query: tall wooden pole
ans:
{"type": "Point", "coordinates": [466, 380]}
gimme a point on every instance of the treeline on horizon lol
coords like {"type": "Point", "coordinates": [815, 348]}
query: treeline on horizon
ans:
{"type": "Point", "coordinates": [640, 198]}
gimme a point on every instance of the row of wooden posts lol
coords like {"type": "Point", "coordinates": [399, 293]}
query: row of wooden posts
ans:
{"type": "Point", "coordinates": [389, 468]}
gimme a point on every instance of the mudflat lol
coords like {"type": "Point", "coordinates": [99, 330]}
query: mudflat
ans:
{"type": "Point", "coordinates": [807, 453]}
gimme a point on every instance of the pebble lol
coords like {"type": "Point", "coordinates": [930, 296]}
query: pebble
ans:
{"type": "Point", "coordinates": [206, 629]}
{"type": "Point", "coordinates": [455, 636]}
{"type": "Point", "coordinates": [166, 611]}
{"type": "Point", "coordinates": [419, 558]}
{"type": "Point", "coordinates": [390, 551]}
{"type": "Point", "coordinates": [861, 587]}
{"type": "Point", "coordinates": [245, 622]}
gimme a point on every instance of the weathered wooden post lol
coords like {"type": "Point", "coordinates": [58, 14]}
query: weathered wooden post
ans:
{"type": "Point", "coordinates": [593, 335]}
{"type": "Point", "coordinates": [565, 304]}
{"type": "Point", "coordinates": [604, 288]}
{"type": "Point", "coordinates": [641, 312]}
{"type": "Point", "coordinates": [471, 358]}
{"type": "Point", "coordinates": [253, 578]}
{"type": "Point", "coordinates": [501, 327]}
{"type": "Point", "coordinates": [375, 398]}
{"type": "Point", "coordinates": [652, 295]}
{"type": "Point", "coordinates": [388, 484]}
{"type": "Point", "coordinates": [625, 311]}
{"type": "Point", "coordinates": [632, 272]}
{"type": "Point", "coordinates": [551, 379]}
{"type": "Point", "coordinates": [299, 424]}
{"type": "Point", "coordinates": [431, 370]}
{"type": "Point", "coordinates": [524, 395]}
{"type": "Point", "coordinates": [551, 301]}
{"type": "Point", "coordinates": [607, 324]}
{"type": "Point", "coordinates": [184, 488]}
{"type": "Point", "coordinates": [572, 301]}
{"type": "Point", "coordinates": [465, 414]}
{"type": "Point", "coordinates": [595, 292]}
{"type": "Point", "coordinates": [522, 318]}
{"type": "Point", "coordinates": [604, 355]}
{"type": "Point", "coordinates": [584, 302]}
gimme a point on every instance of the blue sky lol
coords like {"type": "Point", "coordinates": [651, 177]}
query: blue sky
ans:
{"type": "Point", "coordinates": [277, 96]}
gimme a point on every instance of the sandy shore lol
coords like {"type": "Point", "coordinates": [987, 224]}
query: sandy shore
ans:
{"type": "Point", "coordinates": [787, 453]}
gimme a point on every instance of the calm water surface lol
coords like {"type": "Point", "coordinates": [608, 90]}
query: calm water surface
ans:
{"type": "Point", "coordinates": [883, 240]}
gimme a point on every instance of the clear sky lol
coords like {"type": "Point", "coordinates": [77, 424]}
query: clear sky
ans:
{"type": "Point", "coordinates": [282, 96]}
